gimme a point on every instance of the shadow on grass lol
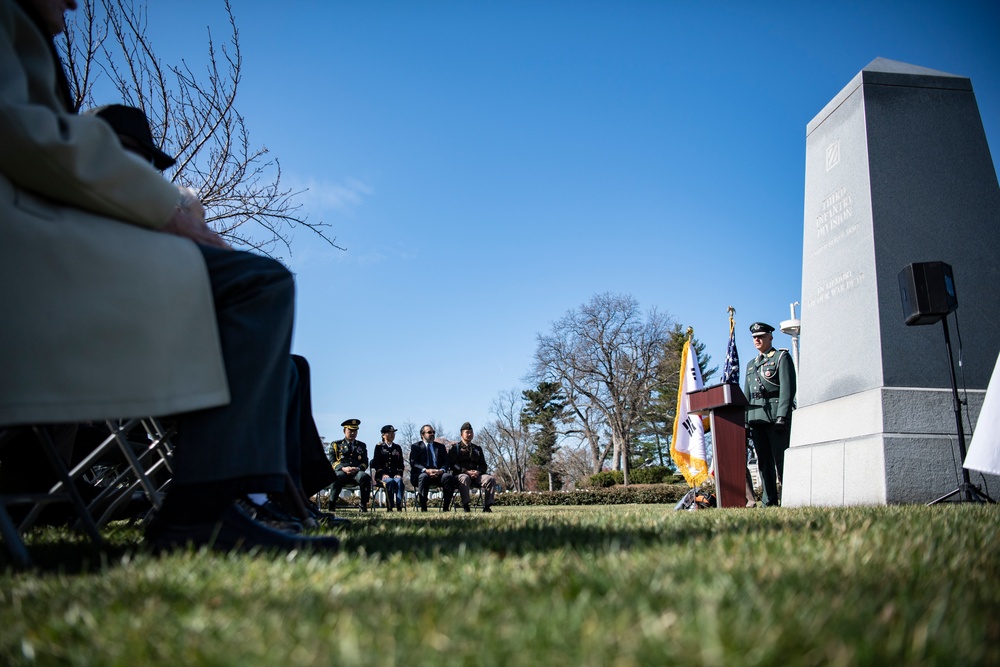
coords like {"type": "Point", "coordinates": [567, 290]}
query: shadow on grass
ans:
{"type": "Point", "coordinates": [63, 552]}
{"type": "Point", "coordinates": [71, 555]}
{"type": "Point", "coordinates": [421, 538]}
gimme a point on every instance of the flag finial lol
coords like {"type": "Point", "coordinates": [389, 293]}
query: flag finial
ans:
{"type": "Point", "coordinates": [731, 369]}
{"type": "Point", "coordinates": [690, 332]}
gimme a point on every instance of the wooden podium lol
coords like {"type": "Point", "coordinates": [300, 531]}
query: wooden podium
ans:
{"type": "Point", "coordinates": [726, 406]}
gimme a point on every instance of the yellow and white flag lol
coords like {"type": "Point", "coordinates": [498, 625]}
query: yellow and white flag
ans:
{"type": "Point", "coordinates": [687, 448]}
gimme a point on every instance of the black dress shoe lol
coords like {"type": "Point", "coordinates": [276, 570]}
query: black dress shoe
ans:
{"type": "Point", "coordinates": [233, 531]}
{"type": "Point", "coordinates": [324, 518]}
{"type": "Point", "coordinates": [465, 508]}
{"type": "Point", "coordinates": [272, 515]}
{"type": "Point", "coordinates": [487, 508]}
{"type": "Point", "coordinates": [329, 520]}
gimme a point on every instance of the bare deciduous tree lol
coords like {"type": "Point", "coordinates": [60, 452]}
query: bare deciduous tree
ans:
{"type": "Point", "coordinates": [408, 434]}
{"type": "Point", "coordinates": [653, 436]}
{"type": "Point", "coordinates": [440, 435]}
{"type": "Point", "coordinates": [573, 463]}
{"type": "Point", "coordinates": [506, 441]}
{"type": "Point", "coordinates": [193, 117]}
{"type": "Point", "coordinates": [590, 426]}
{"type": "Point", "coordinates": [605, 355]}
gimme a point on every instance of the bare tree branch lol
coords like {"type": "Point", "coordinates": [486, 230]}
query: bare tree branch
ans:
{"type": "Point", "coordinates": [193, 117]}
{"type": "Point", "coordinates": [605, 355]}
{"type": "Point", "coordinates": [506, 441]}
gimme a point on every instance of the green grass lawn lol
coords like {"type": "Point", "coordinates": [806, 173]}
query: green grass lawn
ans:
{"type": "Point", "coordinates": [608, 585]}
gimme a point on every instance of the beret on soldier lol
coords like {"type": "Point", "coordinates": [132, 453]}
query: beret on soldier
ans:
{"type": "Point", "coordinates": [760, 328]}
{"type": "Point", "coordinates": [466, 427]}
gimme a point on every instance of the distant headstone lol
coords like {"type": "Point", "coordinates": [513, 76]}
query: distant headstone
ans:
{"type": "Point", "coordinates": [897, 171]}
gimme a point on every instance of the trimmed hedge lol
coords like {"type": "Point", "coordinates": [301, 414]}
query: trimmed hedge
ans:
{"type": "Point", "coordinates": [633, 495]}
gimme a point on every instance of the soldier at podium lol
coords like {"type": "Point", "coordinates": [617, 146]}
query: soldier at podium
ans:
{"type": "Point", "coordinates": [770, 388]}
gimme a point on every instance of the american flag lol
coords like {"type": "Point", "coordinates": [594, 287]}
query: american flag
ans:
{"type": "Point", "coordinates": [731, 369]}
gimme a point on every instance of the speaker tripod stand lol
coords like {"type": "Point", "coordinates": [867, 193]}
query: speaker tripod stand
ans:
{"type": "Point", "coordinates": [967, 491]}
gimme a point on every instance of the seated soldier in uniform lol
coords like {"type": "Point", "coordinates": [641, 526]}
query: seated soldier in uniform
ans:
{"type": "Point", "coordinates": [387, 462]}
{"type": "Point", "coordinates": [469, 464]}
{"type": "Point", "coordinates": [349, 457]}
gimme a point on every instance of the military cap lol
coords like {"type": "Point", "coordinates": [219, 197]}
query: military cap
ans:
{"type": "Point", "coordinates": [388, 429]}
{"type": "Point", "coordinates": [760, 328]}
{"type": "Point", "coordinates": [466, 427]}
{"type": "Point", "coordinates": [351, 423]}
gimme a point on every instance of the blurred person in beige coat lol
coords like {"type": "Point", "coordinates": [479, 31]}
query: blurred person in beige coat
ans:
{"type": "Point", "coordinates": [118, 300]}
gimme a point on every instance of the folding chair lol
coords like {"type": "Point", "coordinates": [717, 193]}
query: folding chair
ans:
{"type": "Point", "coordinates": [436, 490]}
{"type": "Point", "coordinates": [351, 484]}
{"type": "Point", "coordinates": [120, 472]}
{"type": "Point", "coordinates": [380, 495]}
{"type": "Point", "coordinates": [11, 533]}
{"type": "Point", "coordinates": [475, 498]}
{"type": "Point", "coordinates": [145, 464]}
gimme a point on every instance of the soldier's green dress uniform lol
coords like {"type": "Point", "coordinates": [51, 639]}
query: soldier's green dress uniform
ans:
{"type": "Point", "coordinates": [770, 388]}
{"type": "Point", "coordinates": [351, 454]}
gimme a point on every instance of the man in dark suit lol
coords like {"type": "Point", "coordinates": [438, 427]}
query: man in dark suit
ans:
{"type": "Point", "coordinates": [430, 466]}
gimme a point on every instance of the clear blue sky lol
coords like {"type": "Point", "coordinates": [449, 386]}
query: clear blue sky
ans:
{"type": "Point", "coordinates": [491, 165]}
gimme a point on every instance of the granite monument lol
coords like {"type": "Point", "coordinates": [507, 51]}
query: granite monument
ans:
{"type": "Point", "coordinates": [898, 171]}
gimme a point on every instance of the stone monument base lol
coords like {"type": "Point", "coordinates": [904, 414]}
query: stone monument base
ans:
{"type": "Point", "coordinates": [883, 446]}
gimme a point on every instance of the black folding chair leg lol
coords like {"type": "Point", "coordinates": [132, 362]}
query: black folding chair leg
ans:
{"type": "Point", "coordinates": [62, 473]}
{"type": "Point", "coordinates": [12, 538]}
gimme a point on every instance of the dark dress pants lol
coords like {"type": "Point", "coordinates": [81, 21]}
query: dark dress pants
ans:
{"type": "Point", "coordinates": [307, 462]}
{"type": "Point", "coordinates": [770, 443]}
{"type": "Point", "coordinates": [361, 478]}
{"type": "Point", "coordinates": [243, 443]}
{"type": "Point", "coordinates": [447, 482]}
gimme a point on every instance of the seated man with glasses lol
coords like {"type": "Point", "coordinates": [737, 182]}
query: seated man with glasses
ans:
{"type": "Point", "coordinates": [429, 466]}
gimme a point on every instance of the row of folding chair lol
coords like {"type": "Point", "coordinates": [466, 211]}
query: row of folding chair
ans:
{"type": "Point", "coordinates": [378, 497]}
{"type": "Point", "coordinates": [133, 456]}
{"type": "Point", "coordinates": [11, 532]}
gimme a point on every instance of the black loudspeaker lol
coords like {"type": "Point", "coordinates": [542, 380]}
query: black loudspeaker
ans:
{"type": "Point", "coordinates": [927, 290]}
